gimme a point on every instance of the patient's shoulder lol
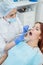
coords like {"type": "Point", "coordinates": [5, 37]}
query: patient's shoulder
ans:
{"type": "Point", "coordinates": [39, 52]}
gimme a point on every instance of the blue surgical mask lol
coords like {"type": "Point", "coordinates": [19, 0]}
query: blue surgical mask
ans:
{"type": "Point", "coordinates": [10, 20]}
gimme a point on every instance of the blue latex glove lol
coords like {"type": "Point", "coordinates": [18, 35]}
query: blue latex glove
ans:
{"type": "Point", "coordinates": [25, 28]}
{"type": "Point", "coordinates": [19, 39]}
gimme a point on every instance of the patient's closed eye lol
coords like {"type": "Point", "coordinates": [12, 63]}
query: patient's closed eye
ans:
{"type": "Point", "coordinates": [37, 29]}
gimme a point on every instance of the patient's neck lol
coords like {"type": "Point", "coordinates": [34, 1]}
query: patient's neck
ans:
{"type": "Point", "coordinates": [33, 43]}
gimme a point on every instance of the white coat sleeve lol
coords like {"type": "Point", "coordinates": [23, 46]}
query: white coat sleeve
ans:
{"type": "Point", "coordinates": [2, 45]}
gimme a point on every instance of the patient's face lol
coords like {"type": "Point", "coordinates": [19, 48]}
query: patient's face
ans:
{"type": "Point", "coordinates": [34, 33]}
{"type": "Point", "coordinates": [12, 14]}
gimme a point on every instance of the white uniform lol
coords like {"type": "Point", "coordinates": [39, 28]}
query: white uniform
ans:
{"type": "Point", "coordinates": [2, 46]}
{"type": "Point", "coordinates": [9, 31]}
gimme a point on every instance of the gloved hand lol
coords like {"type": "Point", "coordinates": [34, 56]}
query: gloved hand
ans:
{"type": "Point", "coordinates": [19, 39]}
{"type": "Point", "coordinates": [25, 28]}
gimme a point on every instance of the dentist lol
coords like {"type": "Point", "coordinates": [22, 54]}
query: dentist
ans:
{"type": "Point", "coordinates": [10, 26]}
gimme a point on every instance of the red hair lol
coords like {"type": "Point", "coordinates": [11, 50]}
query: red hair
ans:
{"type": "Point", "coordinates": [40, 43]}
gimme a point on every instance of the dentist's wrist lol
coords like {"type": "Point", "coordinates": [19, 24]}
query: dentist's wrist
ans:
{"type": "Point", "coordinates": [19, 39]}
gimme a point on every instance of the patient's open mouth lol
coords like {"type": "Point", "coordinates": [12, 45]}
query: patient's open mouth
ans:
{"type": "Point", "coordinates": [30, 33]}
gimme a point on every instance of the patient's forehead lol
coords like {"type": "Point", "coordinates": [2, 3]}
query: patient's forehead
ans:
{"type": "Point", "coordinates": [37, 25]}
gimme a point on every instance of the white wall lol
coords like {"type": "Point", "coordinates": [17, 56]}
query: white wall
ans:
{"type": "Point", "coordinates": [39, 11]}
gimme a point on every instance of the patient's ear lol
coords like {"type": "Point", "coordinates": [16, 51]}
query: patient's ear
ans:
{"type": "Point", "coordinates": [40, 37]}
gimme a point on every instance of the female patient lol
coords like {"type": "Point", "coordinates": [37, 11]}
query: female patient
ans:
{"type": "Point", "coordinates": [28, 52]}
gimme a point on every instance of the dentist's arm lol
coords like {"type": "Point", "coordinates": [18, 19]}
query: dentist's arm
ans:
{"type": "Point", "coordinates": [3, 55]}
{"type": "Point", "coordinates": [19, 39]}
{"type": "Point", "coordinates": [3, 58]}
{"type": "Point", "coordinates": [15, 42]}
{"type": "Point", "coordinates": [9, 46]}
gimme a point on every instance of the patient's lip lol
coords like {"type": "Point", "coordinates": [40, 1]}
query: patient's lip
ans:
{"type": "Point", "coordinates": [30, 33]}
